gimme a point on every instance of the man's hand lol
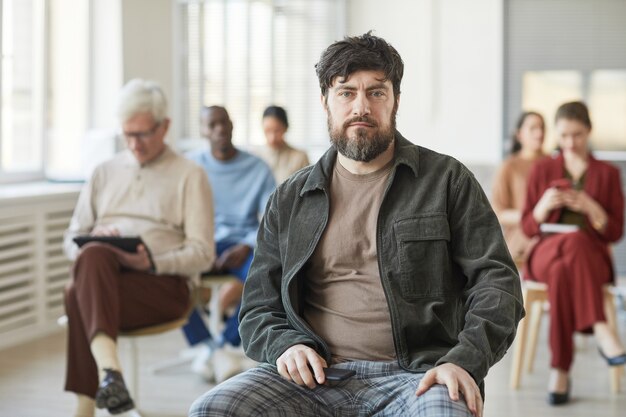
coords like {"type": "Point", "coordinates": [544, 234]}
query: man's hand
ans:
{"type": "Point", "coordinates": [457, 380]}
{"type": "Point", "coordinates": [103, 230]}
{"type": "Point", "coordinates": [139, 261]}
{"type": "Point", "coordinates": [293, 365]}
{"type": "Point", "coordinates": [233, 257]}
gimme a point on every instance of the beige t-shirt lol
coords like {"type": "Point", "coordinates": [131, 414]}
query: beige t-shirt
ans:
{"type": "Point", "coordinates": [344, 300]}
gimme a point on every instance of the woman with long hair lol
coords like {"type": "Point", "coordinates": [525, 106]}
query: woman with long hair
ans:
{"type": "Point", "coordinates": [279, 155]}
{"type": "Point", "coordinates": [509, 187]}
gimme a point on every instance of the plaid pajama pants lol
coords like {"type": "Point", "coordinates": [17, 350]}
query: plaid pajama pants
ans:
{"type": "Point", "coordinates": [378, 389]}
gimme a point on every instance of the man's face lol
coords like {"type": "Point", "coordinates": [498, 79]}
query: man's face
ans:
{"type": "Point", "coordinates": [361, 115]}
{"type": "Point", "coordinates": [144, 136]}
{"type": "Point", "coordinates": [217, 128]}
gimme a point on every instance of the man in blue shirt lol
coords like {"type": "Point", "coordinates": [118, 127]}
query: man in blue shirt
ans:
{"type": "Point", "coordinates": [241, 184]}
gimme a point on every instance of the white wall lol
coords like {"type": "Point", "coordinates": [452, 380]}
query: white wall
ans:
{"type": "Point", "coordinates": [452, 87]}
{"type": "Point", "coordinates": [148, 44]}
{"type": "Point", "coordinates": [106, 60]}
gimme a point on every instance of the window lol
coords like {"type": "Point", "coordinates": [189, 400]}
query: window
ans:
{"type": "Point", "coordinates": [562, 50]}
{"type": "Point", "coordinates": [22, 88]}
{"type": "Point", "coordinates": [248, 54]}
{"type": "Point", "coordinates": [604, 91]}
{"type": "Point", "coordinates": [44, 76]}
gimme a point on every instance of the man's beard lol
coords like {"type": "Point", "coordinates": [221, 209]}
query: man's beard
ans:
{"type": "Point", "coordinates": [360, 146]}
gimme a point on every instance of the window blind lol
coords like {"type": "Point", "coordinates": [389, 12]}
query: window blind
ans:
{"type": "Point", "coordinates": [248, 54]}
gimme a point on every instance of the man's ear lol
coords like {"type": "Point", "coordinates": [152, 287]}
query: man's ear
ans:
{"type": "Point", "coordinates": [324, 101]}
{"type": "Point", "coordinates": [166, 125]}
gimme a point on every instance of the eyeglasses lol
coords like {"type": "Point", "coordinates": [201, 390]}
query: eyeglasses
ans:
{"type": "Point", "coordinates": [142, 136]}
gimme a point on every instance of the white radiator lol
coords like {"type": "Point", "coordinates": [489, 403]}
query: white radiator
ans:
{"type": "Point", "coordinates": [33, 268]}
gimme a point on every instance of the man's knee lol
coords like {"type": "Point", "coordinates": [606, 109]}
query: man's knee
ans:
{"type": "Point", "coordinates": [221, 401]}
{"type": "Point", "coordinates": [93, 258]}
{"type": "Point", "coordinates": [94, 253]}
{"type": "Point", "coordinates": [255, 392]}
{"type": "Point", "coordinates": [577, 245]}
{"type": "Point", "coordinates": [436, 402]}
{"type": "Point", "coordinates": [201, 406]}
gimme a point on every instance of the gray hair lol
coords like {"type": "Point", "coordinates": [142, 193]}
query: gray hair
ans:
{"type": "Point", "coordinates": [141, 96]}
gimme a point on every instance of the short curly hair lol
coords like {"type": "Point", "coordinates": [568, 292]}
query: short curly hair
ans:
{"type": "Point", "coordinates": [365, 52]}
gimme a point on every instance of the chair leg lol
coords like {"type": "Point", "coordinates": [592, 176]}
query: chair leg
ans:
{"type": "Point", "coordinates": [214, 307]}
{"type": "Point", "coordinates": [615, 372]}
{"type": "Point", "coordinates": [134, 372]}
{"type": "Point", "coordinates": [534, 326]}
{"type": "Point", "coordinates": [134, 413]}
{"type": "Point", "coordinates": [518, 355]}
{"type": "Point", "coordinates": [519, 345]}
{"type": "Point", "coordinates": [185, 357]}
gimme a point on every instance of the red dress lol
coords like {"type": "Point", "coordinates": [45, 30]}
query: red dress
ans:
{"type": "Point", "coordinates": [574, 265]}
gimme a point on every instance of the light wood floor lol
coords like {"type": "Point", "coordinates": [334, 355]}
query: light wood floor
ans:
{"type": "Point", "coordinates": [31, 379]}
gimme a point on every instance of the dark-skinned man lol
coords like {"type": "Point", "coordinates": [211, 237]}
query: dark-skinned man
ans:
{"type": "Point", "coordinates": [242, 184]}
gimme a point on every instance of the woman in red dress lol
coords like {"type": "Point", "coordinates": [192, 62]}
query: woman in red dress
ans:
{"type": "Point", "coordinates": [575, 189]}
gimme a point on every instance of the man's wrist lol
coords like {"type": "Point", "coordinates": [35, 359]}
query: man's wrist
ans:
{"type": "Point", "coordinates": [151, 264]}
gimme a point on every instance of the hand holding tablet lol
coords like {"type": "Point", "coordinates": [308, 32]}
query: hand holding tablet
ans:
{"type": "Point", "coordinates": [125, 243]}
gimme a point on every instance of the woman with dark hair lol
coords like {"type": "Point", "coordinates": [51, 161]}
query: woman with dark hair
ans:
{"type": "Point", "coordinates": [282, 158]}
{"type": "Point", "coordinates": [509, 187]}
{"type": "Point", "coordinates": [583, 194]}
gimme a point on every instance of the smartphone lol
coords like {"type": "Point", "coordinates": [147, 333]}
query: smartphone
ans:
{"type": "Point", "coordinates": [338, 374]}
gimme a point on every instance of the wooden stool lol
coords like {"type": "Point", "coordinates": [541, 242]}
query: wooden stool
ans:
{"type": "Point", "coordinates": [132, 336]}
{"type": "Point", "coordinates": [535, 297]}
{"type": "Point", "coordinates": [214, 282]}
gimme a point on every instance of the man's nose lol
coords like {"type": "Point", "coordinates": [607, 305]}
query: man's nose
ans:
{"type": "Point", "coordinates": [360, 105]}
{"type": "Point", "coordinates": [133, 143]}
{"type": "Point", "coordinates": [220, 128]}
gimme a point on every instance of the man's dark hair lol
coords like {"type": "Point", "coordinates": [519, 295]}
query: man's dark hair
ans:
{"type": "Point", "coordinates": [207, 109]}
{"type": "Point", "coordinates": [365, 52]}
{"type": "Point", "coordinates": [575, 110]}
{"type": "Point", "coordinates": [278, 113]}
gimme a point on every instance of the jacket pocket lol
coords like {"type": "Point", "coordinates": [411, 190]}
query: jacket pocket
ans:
{"type": "Point", "coordinates": [423, 246]}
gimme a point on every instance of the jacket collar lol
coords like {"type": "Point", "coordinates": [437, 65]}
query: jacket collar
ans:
{"type": "Point", "coordinates": [405, 153]}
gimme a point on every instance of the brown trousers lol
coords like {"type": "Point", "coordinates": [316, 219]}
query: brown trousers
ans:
{"type": "Point", "coordinates": [575, 267]}
{"type": "Point", "coordinates": [105, 297]}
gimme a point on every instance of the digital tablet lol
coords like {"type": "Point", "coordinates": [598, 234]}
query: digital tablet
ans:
{"type": "Point", "coordinates": [558, 228]}
{"type": "Point", "coordinates": [126, 243]}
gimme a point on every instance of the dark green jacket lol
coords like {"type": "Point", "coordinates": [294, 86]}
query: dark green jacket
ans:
{"type": "Point", "coordinates": [452, 289]}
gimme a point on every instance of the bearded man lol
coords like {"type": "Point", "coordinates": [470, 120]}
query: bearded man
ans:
{"type": "Point", "coordinates": [383, 258]}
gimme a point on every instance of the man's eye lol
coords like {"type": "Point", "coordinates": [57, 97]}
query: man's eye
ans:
{"type": "Point", "coordinates": [378, 93]}
{"type": "Point", "coordinates": [345, 93]}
